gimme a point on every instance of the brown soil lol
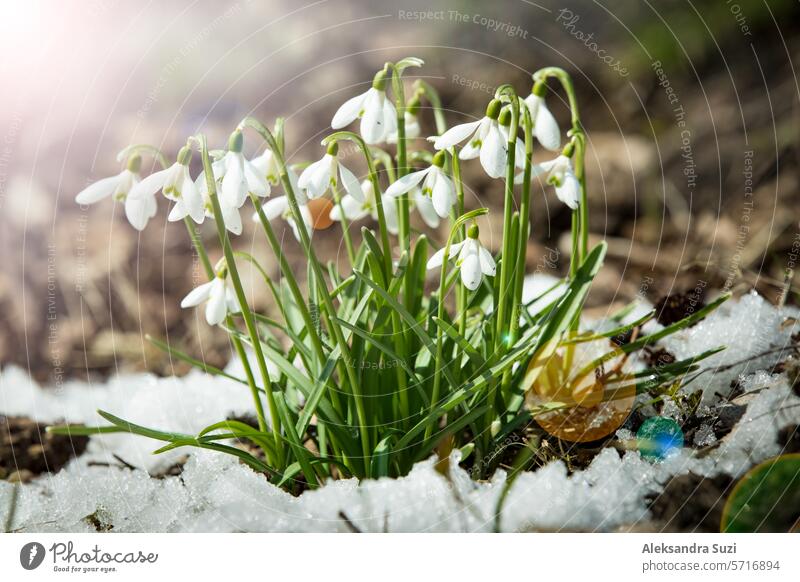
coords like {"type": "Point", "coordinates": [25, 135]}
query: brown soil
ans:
{"type": "Point", "coordinates": [26, 450]}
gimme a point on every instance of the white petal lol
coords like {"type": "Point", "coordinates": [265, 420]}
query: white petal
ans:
{"type": "Point", "coordinates": [349, 111]}
{"type": "Point", "coordinates": [569, 191]}
{"type": "Point", "coordinates": [470, 151]}
{"type": "Point", "coordinates": [316, 178]}
{"type": "Point", "coordinates": [192, 199]}
{"type": "Point", "coordinates": [150, 185]}
{"type": "Point", "coordinates": [350, 183]}
{"type": "Point", "coordinates": [353, 209]}
{"type": "Point", "coordinates": [197, 295]}
{"type": "Point", "coordinates": [442, 196]}
{"type": "Point", "coordinates": [412, 126]}
{"type": "Point", "coordinates": [407, 182]}
{"type": "Point", "coordinates": [267, 165]}
{"type": "Point", "coordinates": [216, 308]}
{"type": "Point", "coordinates": [488, 266]}
{"type": "Point", "coordinates": [546, 128]}
{"type": "Point", "coordinates": [471, 272]}
{"type": "Point", "coordinates": [233, 222]}
{"type": "Point", "coordinates": [389, 119]}
{"type": "Point", "coordinates": [232, 301]}
{"type": "Point", "coordinates": [256, 181]}
{"type": "Point", "coordinates": [373, 126]}
{"type": "Point", "coordinates": [426, 209]}
{"type": "Point", "coordinates": [493, 154]}
{"type": "Point", "coordinates": [390, 214]}
{"type": "Point", "coordinates": [456, 135]}
{"type": "Point", "coordinates": [469, 247]}
{"type": "Point", "coordinates": [178, 212]}
{"type": "Point", "coordinates": [234, 191]}
{"type": "Point", "coordinates": [99, 190]}
{"type": "Point", "coordinates": [275, 207]}
{"type": "Point", "coordinates": [436, 260]}
{"type": "Point", "coordinates": [139, 211]}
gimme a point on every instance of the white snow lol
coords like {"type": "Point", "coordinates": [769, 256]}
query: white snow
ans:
{"type": "Point", "coordinates": [217, 493]}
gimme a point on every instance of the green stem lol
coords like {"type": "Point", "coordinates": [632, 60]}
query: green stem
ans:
{"type": "Point", "coordinates": [436, 104]}
{"type": "Point", "coordinates": [437, 374]}
{"type": "Point", "coordinates": [194, 235]}
{"type": "Point", "coordinates": [522, 246]}
{"type": "Point", "coordinates": [348, 241]}
{"type": "Point", "coordinates": [524, 225]}
{"type": "Point", "coordinates": [319, 276]}
{"type": "Point", "coordinates": [506, 266]}
{"type": "Point", "coordinates": [580, 219]}
{"type": "Point", "coordinates": [246, 313]}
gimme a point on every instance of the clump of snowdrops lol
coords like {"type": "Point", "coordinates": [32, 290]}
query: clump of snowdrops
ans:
{"type": "Point", "coordinates": [368, 371]}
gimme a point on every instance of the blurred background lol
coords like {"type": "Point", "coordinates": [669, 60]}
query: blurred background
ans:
{"type": "Point", "coordinates": [691, 110]}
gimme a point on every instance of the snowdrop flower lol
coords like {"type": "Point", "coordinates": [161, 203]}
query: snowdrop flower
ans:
{"type": "Point", "coordinates": [424, 205]}
{"type": "Point", "coordinates": [545, 127]}
{"type": "Point", "coordinates": [411, 121]}
{"type": "Point", "coordinates": [436, 186]}
{"type": "Point", "coordinates": [355, 210]}
{"type": "Point", "coordinates": [139, 210]}
{"type": "Point", "coordinates": [230, 214]}
{"type": "Point", "coordinates": [412, 128]}
{"type": "Point", "coordinates": [562, 176]}
{"type": "Point", "coordinates": [278, 207]}
{"type": "Point", "coordinates": [267, 165]}
{"type": "Point", "coordinates": [505, 127]}
{"type": "Point", "coordinates": [318, 177]}
{"type": "Point", "coordinates": [377, 113]}
{"type": "Point", "coordinates": [177, 185]}
{"type": "Point", "coordinates": [218, 295]}
{"type": "Point", "coordinates": [238, 176]}
{"type": "Point", "coordinates": [485, 140]}
{"type": "Point", "coordinates": [472, 259]}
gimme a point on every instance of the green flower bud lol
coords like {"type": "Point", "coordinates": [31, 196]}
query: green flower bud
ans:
{"type": "Point", "coordinates": [235, 142]}
{"type": "Point", "coordinates": [493, 109]}
{"type": "Point", "coordinates": [135, 163]}
{"type": "Point", "coordinates": [379, 80]}
{"type": "Point", "coordinates": [185, 156]}
{"type": "Point", "coordinates": [504, 118]}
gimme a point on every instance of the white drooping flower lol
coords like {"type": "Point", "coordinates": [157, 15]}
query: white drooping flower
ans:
{"type": "Point", "coordinates": [177, 185]}
{"type": "Point", "coordinates": [377, 113]}
{"type": "Point", "coordinates": [356, 210]}
{"type": "Point", "coordinates": [267, 165]}
{"type": "Point", "coordinates": [424, 204]}
{"type": "Point", "coordinates": [519, 149]}
{"type": "Point", "coordinates": [435, 185]}
{"type": "Point", "coordinates": [545, 126]}
{"type": "Point", "coordinates": [279, 207]}
{"type": "Point", "coordinates": [320, 176]}
{"type": "Point", "coordinates": [561, 175]}
{"type": "Point", "coordinates": [238, 176]}
{"type": "Point", "coordinates": [412, 128]}
{"type": "Point", "coordinates": [472, 259]}
{"type": "Point", "coordinates": [230, 214]}
{"type": "Point", "coordinates": [484, 139]}
{"type": "Point", "coordinates": [138, 209]}
{"type": "Point", "coordinates": [219, 297]}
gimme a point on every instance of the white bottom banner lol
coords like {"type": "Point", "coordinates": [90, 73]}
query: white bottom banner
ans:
{"type": "Point", "coordinates": [397, 556]}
